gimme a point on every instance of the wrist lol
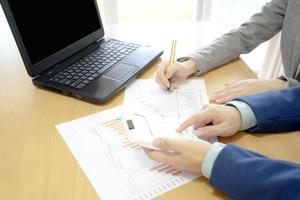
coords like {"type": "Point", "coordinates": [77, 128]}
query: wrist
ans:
{"type": "Point", "coordinates": [280, 83]}
{"type": "Point", "coordinates": [190, 65]}
{"type": "Point", "coordinates": [274, 84]}
{"type": "Point", "coordinates": [248, 119]}
{"type": "Point", "coordinates": [204, 149]}
{"type": "Point", "coordinates": [236, 114]}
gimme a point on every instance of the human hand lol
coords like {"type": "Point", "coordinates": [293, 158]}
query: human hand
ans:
{"type": "Point", "coordinates": [214, 120]}
{"type": "Point", "coordinates": [244, 88]}
{"type": "Point", "coordinates": [170, 77]}
{"type": "Point", "coordinates": [183, 154]}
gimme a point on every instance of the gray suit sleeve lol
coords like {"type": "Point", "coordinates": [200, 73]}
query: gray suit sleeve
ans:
{"type": "Point", "coordinates": [259, 28]}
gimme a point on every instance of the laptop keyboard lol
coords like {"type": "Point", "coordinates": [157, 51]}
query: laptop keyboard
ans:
{"type": "Point", "coordinates": [92, 66]}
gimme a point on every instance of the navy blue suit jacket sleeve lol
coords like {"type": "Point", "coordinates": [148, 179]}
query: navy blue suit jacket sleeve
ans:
{"type": "Point", "coordinates": [243, 174]}
{"type": "Point", "coordinates": [275, 111]}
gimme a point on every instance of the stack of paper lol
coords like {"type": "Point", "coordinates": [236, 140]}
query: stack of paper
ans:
{"type": "Point", "coordinates": [116, 166]}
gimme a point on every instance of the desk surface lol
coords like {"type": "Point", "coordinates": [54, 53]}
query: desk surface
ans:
{"type": "Point", "coordinates": [36, 164]}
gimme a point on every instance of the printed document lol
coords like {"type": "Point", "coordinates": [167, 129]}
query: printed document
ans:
{"type": "Point", "coordinates": [116, 167]}
{"type": "Point", "coordinates": [146, 97]}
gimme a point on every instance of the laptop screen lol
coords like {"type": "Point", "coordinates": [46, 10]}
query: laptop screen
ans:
{"type": "Point", "coordinates": [47, 27]}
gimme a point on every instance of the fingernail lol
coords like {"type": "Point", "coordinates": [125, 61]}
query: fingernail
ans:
{"type": "Point", "coordinates": [158, 142]}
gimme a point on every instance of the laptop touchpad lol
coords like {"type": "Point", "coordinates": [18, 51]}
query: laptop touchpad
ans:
{"type": "Point", "coordinates": [120, 71]}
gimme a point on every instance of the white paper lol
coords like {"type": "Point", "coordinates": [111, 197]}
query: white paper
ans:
{"type": "Point", "coordinates": [147, 128]}
{"type": "Point", "coordinates": [147, 98]}
{"type": "Point", "coordinates": [117, 168]}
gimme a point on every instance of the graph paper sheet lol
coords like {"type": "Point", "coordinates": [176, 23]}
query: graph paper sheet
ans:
{"type": "Point", "coordinates": [117, 168]}
{"type": "Point", "coordinates": [147, 98]}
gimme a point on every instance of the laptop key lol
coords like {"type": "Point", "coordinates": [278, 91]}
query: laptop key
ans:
{"type": "Point", "coordinates": [74, 84]}
{"type": "Point", "coordinates": [63, 81]}
{"type": "Point", "coordinates": [92, 66]}
{"type": "Point", "coordinates": [107, 66]}
{"type": "Point", "coordinates": [95, 75]}
{"type": "Point", "coordinates": [69, 82]}
{"type": "Point", "coordinates": [81, 85]}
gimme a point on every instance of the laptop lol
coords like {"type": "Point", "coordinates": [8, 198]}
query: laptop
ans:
{"type": "Point", "coordinates": [63, 47]}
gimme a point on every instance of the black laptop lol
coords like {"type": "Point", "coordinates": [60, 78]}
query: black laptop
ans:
{"type": "Point", "coordinates": [63, 48]}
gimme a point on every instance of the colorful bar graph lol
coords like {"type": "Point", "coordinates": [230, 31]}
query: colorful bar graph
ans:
{"type": "Point", "coordinates": [119, 127]}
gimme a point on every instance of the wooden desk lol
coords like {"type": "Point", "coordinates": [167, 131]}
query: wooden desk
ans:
{"type": "Point", "coordinates": [36, 164]}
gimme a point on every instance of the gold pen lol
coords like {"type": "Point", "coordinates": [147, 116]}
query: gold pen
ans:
{"type": "Point", "coordinates": [172, 56]}
{"type": "Point", "coordinates": [173, 53]}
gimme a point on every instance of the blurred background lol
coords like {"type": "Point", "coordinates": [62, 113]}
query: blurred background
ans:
{"type": "Point", "coordinates": [223, 13]}
{"type": "Point", "coordinates": [231, 12]}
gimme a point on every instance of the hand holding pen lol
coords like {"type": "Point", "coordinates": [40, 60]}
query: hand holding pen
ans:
{"type": "Point", "coordinates": [170, 74]}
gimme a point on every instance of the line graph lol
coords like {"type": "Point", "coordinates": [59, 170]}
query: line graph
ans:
{"type": "Point", "coordinates": [164, 176]}
{"type": "Point", "coordinates": [146, 97]}
{"type": "Point", "coordinates": [144, 100]}
{"type": "Point", "coordinates": [101, 147]}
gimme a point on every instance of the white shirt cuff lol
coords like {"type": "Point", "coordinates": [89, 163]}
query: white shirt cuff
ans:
{"type": "Point", "coordinates": [248, 116]}
{"type": "Point", "coordinates": [210, 157]}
